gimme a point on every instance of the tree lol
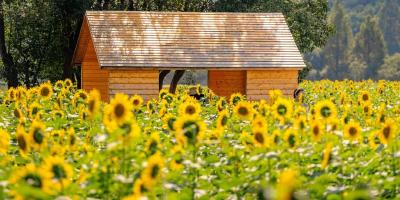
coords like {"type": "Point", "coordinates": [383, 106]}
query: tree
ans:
{"type": "Point", "coordinates": [357, 69]}
{"type": "Point", "coordinates": [370, 46]}
{"type": "Point", "coordinates": [8, 62]}
{"type": "Point", "coordinates": [389, 21]}
{"type": "Point", "coordinates": [390, 70]}
{"type": "Point", "coordinates": [337, 49]}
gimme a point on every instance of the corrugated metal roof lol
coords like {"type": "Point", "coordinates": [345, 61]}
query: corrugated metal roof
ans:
{"type": "Point", "coordinates": [190, 40]}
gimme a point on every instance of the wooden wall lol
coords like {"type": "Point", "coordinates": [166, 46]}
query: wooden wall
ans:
{"type": "Point", "coordinates": [260, 82]}
{"type": "Point", "coordinates": [92, 75]}
{"type": "Point", "coordinates": [131, 82]}
{"type": "Point", "coordinates": [226, 82]}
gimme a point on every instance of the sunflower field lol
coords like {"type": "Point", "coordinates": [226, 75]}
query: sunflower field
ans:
{"type": "Point", "coordinates": [338, 140]}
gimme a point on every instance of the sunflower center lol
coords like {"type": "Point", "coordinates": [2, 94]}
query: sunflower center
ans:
{"type": "Point", "coordinates": [22, 142]}
{"type": "Point", "coordinates": [17, 113]}
{"type": "Point", "coordinates": [224, 120]}
{"type": "Point", "coordinates": [276, 139]}
{"type": "Point", "coordinates": [44, 92]}
{"type": "Point", "coordinates": [365, 97]}
{"type": "Point", "coordinates": [82, 95]}
{"type": "Point", "coordinates": [316, 130]}
{"type": "Point", "coordinates": [35, 110]}
{"type": "Point", "coordinates": [136, 102]}
{"type": "Point", "coordinates": [190, 110]}
{"type": "Point", "coordinates": [386, 132]}
{"type": "Point", "coordinates": [366, 109]}
{"type": "Point", "coordinates": [119, 110]}
{"type": "Point", "coordinates": [243, 111]}
{"type": "Point", "coordinates": [38, 136]}
{"type": "Point", "coordinates": [59, 172]}
{"type": "Point", "coordinates": [92, 105]}
{"type": "Point", "coordinates": [326, 111]}
{"type": "Point", "coordinates": [282, 109]}
{"type": "Point", "coordinates": [259, 137]}
{"type": "Point", "coordinates": [72, 140]}
{"type": "Point", "coordinates": [191, 129]}
{"type": "Point", "coordinates": [153, 146]}
{"type": "Point", "coordinates": [154, 171]}
{"type": "Point", "coordinates": [235, 100]}
{"type": "Point", "coordinates": [33, 180]}
{"type": "Point", "coordinates": [352, 131]}
{"type": "Point", "coordinates": [171, 122]}
{"type": "Point", "coordinates": [292, 140]}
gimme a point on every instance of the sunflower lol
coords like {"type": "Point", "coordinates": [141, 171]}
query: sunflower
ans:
{"type": "Point", "coordinates": [20, 93]}
{"type": "Point", "coordinates": [325, 109]}
{"type": "Point", "coordinates": [327, 156]}
{"type": "Point", "coordinates": [222, 119]}
{"type": "Point", "coordinates": [4, 141]}
{"type": "Point", "coordinates": [316, 130]}
{"type": "Point", "coordinates": [333, 124]}
{"type": "Point", "coordinates": [260, 138]}
{"type": "Point", "coordinates": [59, 85]}
{"type": "Point", "coordinates": [57, 114]}
{"type": "Point", "coordinates": [37, 134]}
{"type": "Point", "coordinates": [287, 183]}
{"type": "Point", "coordinates": [221, 104]}
{"type": "Point", "coordinates": [189, 108]}
{"type": "Point", "coordinates": [32, 176]}
{"type": "Point", "coordinates": [11, 94]}
{"type": "Point", "coordinates": [301, 122]}
{"type": "Point", "coordinates": [236, 98]}
{"type": "Point", "coordinates": [59, 171]}
{"type": "Point", "coordinates": [45, 90]}
{"type": "Point", "coordinates": [138, 189]}
{"type": "Point", "coordinates": [153, 143]}
{"type": "Point", "coordinates": [274, 95]}
{"type": "Point", "coordinates": [282, 109]}
{"type": "Point", "coordinates": [151, 106]}
{"type": "Point", "coordinates": [163, 93]}
{"type": "Point", "coordinates": [80, 97]}
{"type": "Point", "coordinates": [169, 121]}
{"type": "Point", "coordinates": [120, 108]}
{"type": "Point", "coordinates": [137, 102]}
{"type": "Point", "coordinates": [367, 108]}
{"type": "Point", "coordinates": [291, 138]}
{"type": "Point", "coordinates": [68, 83]}
{"type": "Point", "coordinates": [93, 102]}
{"type": "Point", "coordinates": [190, 128]}
{"type": "Point", "coordinates": [18, 114]}
{"type": "Point", "coordinates": [23, 141]}
{"type": "Point", "coordinates": [259, 123]}
{"type": "Point", "coordinates": [387, 132]}
{"type": "Point", "coordinates": [244, 110]}
{"type": "Point", "coordinates": [153, 170]}
{"type": "Point", "coordinates": [373, 140]}
{"type": "Point", "coordinates": [364, 96]}
{"type": "Point", "coordinates": [131, 131]}
{"type": "Point", "coordinates": [177, 158]}
{"type": "Point", "coordinates": [72, 140]}
{"type": "Point", "coordinates": [352, 130]}
{"type": "Point", "coordinates": [276, 137]}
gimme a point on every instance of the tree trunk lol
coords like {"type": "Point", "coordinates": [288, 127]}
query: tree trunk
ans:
{"type": "Point", "coordinates": [177, 76]}
{"type": "Point", "coordinates": [11, 71]}
{"type": "Point", "coordinates": [161, 77]}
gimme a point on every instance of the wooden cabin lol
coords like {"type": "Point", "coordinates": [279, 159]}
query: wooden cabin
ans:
{"type": "Point", "coordinates": [250, 53]}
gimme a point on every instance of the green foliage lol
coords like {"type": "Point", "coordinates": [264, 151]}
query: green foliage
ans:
{"type": "Point", "coordinates": [370, 46]}
{"type": "Point", "coordinates": [390, 70]}
{"type": "Point", "coordinates": [390, 24]}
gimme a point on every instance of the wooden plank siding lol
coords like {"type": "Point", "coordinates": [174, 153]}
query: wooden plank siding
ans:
{"type": "Point", "coordinates": [224, 83]}
{"type": "Point", "coordinates": [93, 77]}
{"type": "Point", "coordinates": [134, 82]}
{"type": "Point", "coordinates": [260, 82]}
